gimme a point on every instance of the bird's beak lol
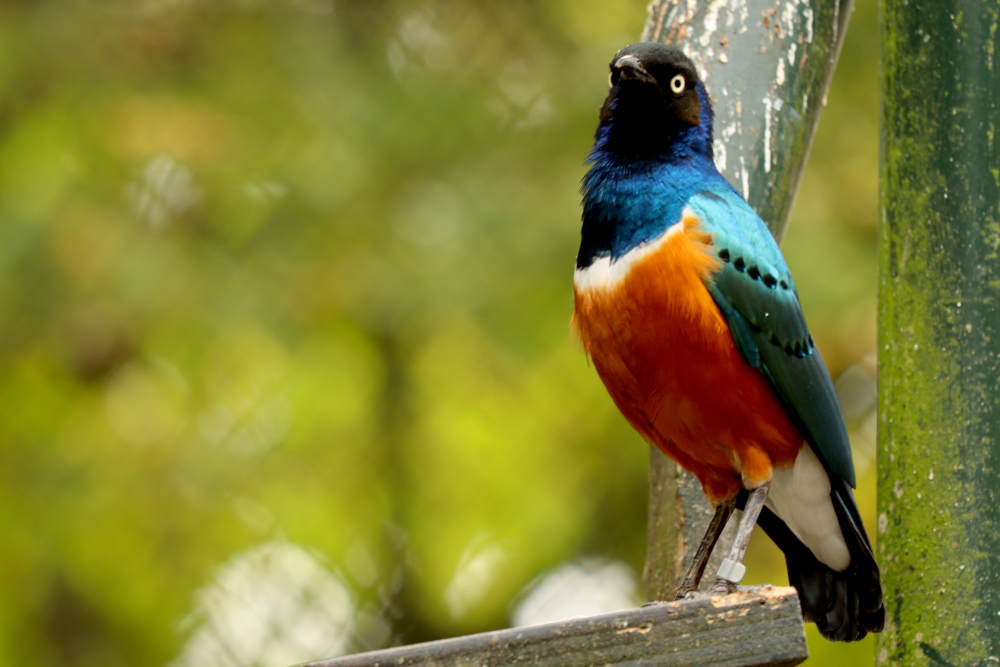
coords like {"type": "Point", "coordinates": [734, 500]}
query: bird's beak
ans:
{"type": "Point", "coordinates": [630, 68]}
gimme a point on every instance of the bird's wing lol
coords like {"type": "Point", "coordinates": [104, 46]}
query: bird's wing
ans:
{"type": "Point", "coordinates": [756, 295]}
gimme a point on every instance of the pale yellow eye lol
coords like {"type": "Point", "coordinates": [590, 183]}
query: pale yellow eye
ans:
{"type": "Point", "coordinates": [677, 84]}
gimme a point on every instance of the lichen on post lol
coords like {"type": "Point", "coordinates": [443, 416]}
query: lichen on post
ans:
{"type": "Point", "coordinates": [939, 332]}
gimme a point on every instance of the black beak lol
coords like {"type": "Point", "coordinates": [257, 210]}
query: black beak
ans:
{"type": "Point", "coordinates": [629, 67]}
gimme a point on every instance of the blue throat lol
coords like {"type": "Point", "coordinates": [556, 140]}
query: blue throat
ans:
{"type": "Point", "coordinates": [639, 182]}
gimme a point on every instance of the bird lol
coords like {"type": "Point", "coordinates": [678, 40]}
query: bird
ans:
{"type": "Point", "coordinates": [688, 312]}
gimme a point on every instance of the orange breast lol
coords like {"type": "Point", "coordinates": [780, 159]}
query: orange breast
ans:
{"type": "Point", "coordinates": [666, 355]}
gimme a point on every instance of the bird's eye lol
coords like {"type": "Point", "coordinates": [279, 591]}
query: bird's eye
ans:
{"type": "Point", "coordinates": [677, 84]}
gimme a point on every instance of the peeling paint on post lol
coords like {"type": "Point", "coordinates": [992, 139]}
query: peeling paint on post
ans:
{"type": "Point", "coordinates": [767, 65]}
{"type": "Point", "coordinates": [939, 333]}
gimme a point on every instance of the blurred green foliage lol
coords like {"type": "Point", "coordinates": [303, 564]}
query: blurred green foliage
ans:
{"type": "Point", "coordinates": [301, 272]}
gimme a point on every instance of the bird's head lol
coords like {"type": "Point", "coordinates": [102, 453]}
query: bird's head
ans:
{"type": "Point", "coordinates": [656, 103]}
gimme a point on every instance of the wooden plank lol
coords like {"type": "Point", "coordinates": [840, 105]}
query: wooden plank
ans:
{"type": "Point", "coordinates": [755, 626]}
{"type": "Point", "coordinates": [679, 513]}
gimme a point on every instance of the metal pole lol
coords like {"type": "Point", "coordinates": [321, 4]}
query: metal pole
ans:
{"type": "Point", "coordinates": [939, 332]}
{"type": "Point", "coordinates": [767, 65]}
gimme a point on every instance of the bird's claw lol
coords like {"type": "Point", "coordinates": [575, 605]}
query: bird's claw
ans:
{"type": "Point", "coordinates": [724, 587]}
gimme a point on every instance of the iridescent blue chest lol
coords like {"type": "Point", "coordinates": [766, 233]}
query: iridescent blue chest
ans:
{"type": "Point", "coordinates": [628, 205]}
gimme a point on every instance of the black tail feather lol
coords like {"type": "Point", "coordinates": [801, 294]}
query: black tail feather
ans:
{"type": "Point", "coordinates": [845, 606]}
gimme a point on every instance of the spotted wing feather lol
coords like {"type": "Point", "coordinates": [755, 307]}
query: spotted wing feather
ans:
{"type": "Point", "coordinates": [755, 293]}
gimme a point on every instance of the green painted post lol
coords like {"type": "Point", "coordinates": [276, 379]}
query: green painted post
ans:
{"type": "Point", "coordinates": [939, 333]}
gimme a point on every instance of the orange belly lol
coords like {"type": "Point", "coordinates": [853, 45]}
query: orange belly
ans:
{"type": "Point", "coordinates": [669, 361]}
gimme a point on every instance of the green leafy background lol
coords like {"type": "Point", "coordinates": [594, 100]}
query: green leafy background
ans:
{"type": "Point", "coordinates": [287, 285]}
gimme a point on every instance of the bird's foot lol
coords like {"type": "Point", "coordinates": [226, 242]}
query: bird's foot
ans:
{"type": "Point", "coordinates": [724, 586]}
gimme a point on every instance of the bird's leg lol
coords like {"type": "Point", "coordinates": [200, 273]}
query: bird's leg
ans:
{"type": "Point", "coordinates": [715, 527]}
{"type": "Point", "coordinates": [731, 570]}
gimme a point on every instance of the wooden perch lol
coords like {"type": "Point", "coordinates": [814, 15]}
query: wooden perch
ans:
{"type": "Point", "coordinates": [755, 626]}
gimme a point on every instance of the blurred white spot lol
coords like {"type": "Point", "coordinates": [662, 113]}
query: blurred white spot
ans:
{"type": "Point", "coordinates": [361, 565]}
{"type": "Point", "coordinates": [248, 410]}
{"type": "Point", "coordinates": [419, 43]}
{"type": "Point", "coordinates": [253, 514]}
{"type": "Point", "coordinates": [315, 7]}
{"type": "Point", "coordinates": [274, 604]}
{"type": "Point", "coordinates": [858, 395]}
{"type": "Point", "coordinates": [247, 429]}
{"type": "Point", "coordinates": [856, 391]}
{"type": "Point", "coordinates": [371, 632]}
{"type": "Point", "coordinates": [473, 576]}
{"type": "Point", "coordinates": [163, 190]}
{"type": "Point", "coordinates": [145, 402]}
{"type": "Point", "coordinates": [430, 216]}
{"type": "Point", "coordinates": [396, 57]}
{"type": "Point", "coordinates": [139, 8]}
{"type": "Point", "coordinates": [522, 102]}
{"type": "Point", "coordinates": [265, 192]}
{"type": "Point", "coordinates": [587, 587]}
{"type": "Point", "coordinates": [863, 443]}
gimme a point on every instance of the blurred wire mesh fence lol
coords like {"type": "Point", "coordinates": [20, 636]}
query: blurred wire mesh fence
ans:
{"type": "Point", "coordinates": [286, 298]}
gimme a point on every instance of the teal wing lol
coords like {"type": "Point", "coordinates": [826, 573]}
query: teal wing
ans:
{"type": "Point", "coordinates": [755, 292]}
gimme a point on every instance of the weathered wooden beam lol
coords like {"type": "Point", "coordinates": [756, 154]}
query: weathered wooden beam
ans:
{"type": "Point", "coordinates": [755, 626]}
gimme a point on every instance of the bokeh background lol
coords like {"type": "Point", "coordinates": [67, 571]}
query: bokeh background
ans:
{"type": "Point", "coordinates": [287, 370]}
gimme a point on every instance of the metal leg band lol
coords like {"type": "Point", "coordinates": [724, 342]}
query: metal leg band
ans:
{"type": "Point", "coordinates": [732, 570]}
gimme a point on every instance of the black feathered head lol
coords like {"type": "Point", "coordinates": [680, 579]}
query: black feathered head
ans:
{"type": "Point", "coordinates": [656, 101]}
